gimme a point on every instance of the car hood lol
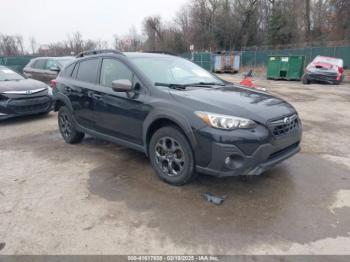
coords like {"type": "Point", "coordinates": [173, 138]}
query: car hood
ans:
{"type": "Point", "coordinates": [236, 101]}
{"type": "Point", "coordinates": [21, 85]}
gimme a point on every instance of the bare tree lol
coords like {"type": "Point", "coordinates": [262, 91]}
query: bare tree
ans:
{"type": "Point", "coordinates": [11, 45]}
{"type": "Point", "coordinates": [153, 30]}
{"type": "Point", "coordinates": [129, 42]}
{"type": "Point", "coordinates": [33, 45]}
{"type": "Point", "coordinates": [307, 20]}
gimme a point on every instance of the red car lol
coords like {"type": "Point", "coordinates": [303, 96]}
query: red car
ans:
{"type": "Point", "coordinates": [324, 69]}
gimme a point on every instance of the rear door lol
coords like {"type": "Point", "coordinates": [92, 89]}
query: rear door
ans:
{"type": "Point", "coordinates": [80, 89]}
{"type": "Point", "coordinates": [37, 69]}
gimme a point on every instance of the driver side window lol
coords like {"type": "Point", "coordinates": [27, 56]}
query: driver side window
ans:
{"type": "Point", "coordinates": [113, 70]}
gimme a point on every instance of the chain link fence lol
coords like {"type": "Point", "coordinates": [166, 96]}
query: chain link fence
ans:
{"type": "Point", "coordinates": [252, 58]}
{"type": "Point", "coordinates": [260, 57]}
{"type": "Point", "coordinates": [16, 63]}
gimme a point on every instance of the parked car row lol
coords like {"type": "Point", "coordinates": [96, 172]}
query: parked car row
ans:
{"type": "Point", "coordinates": [22, 96]}
{"type": "Point", "coordinates": [29, 93]}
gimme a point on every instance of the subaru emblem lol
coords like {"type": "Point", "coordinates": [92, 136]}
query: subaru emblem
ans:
{"type": "Point", "coordinates": [28, 92]}
{"type": "Point", "coordinates": [286, 120]}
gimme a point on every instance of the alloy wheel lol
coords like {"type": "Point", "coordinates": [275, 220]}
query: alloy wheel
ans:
{"type": "Point", "coordinates": [65, 125]}
{"type": "Point", "coordinates": [169, 156]}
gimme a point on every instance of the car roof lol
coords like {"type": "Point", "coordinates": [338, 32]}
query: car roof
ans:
{"type": "Point", "coordinates": [146, 55]}
{"type": "Point", "coordinates": [55, 57]}
{"type": "Point", "coordinates": [127, 55]}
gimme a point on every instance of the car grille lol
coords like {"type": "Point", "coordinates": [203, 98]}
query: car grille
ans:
{"type": "Point", "coordinates": [20, 106]}
{"type": "Point", "coordinates": [283, 151]}
{"type": "Point", "coordinates": [31, 108]}
{"type": "Point", "coordinates": [284, 125]}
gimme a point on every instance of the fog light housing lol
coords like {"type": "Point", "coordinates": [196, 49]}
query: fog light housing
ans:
{"type": "Point", "coordinates": [234, 161]}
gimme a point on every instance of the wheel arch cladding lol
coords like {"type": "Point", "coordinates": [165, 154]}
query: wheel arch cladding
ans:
{"type": "Point", "coordinates": [156, 123]}
{"type": "Point", "coordinates": [58, 105]}
{"type": "Point", "coordinates": [62, 100]}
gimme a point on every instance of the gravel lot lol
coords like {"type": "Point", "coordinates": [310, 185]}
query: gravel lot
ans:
{"type": "Point", "coordinates": [100, 198]}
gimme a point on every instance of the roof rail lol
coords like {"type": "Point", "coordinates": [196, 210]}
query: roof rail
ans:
{"type": "Point", "coordinates": [96, 52]}
{"type": "Point", "coordinates": [160, 52]}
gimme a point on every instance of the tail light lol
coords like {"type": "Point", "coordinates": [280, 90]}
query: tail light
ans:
{"type": "Point", "coordinates": [53, 83]}
{"type": "Point", "coordinates": [340, 70]}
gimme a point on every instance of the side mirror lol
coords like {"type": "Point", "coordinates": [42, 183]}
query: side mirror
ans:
{"type": "Point", "coordinates": [54, 68]}
{"type": "Point", "coordinates": [122, 85]}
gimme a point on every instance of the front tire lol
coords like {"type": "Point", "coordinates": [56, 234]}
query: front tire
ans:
{"type": "Point", "coordinates": [171, 156]}
{"type": "Point", "coordinates": [67, 127]}
{"type": "Point", "coordinates": [305, 80]}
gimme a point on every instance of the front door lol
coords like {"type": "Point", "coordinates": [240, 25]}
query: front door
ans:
{"type": "Point", "coordinates": [120, 114]}
{"type": "Point", "coordinates": [49, 73]}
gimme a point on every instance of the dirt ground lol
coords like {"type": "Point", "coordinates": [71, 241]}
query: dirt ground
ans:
{"type": "Point", "coordinates": [100, 198]}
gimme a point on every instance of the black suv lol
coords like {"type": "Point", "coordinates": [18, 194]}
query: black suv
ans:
{"type": "Point", "coordinates": [185, 119]}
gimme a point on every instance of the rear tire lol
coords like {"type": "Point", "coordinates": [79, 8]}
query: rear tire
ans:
{"type": "Point", "coordinates": [337, 82]}
{"type": "Point", "coordinates": [171, 156]}
{"type": "Point", "coordinates": [305, 80]}
{"type": "Point", "coordinates": [67, 127]}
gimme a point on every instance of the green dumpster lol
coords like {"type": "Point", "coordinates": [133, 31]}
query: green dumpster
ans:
{"type": "Point", "coordinates": [285, 67]}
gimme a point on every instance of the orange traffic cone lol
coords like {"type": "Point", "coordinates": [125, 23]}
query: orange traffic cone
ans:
{"type": "Point", "coordinates": [247, 82]}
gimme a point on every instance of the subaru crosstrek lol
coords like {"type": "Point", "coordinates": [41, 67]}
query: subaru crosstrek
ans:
{"type": "Point", "coordinates": [185, 119]}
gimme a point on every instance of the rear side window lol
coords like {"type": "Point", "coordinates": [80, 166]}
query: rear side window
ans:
{"type": "Point", "coordinates": [87, 71]}
{"type": "Point", "coordinates": [68, 70]}
{"type": "Point", "coordinates": [51, 63]}
{"type": "Point", "coordinates": [39, 64]}
{"type": "Point", "coordinates": [113, 70]}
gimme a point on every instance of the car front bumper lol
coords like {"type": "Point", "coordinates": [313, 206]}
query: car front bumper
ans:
{"type": "Point", "coordinates": [243, 152]}
{"type": "Point", "coordinates": [229, 160]}
{"type": "Point", "coordinates": [20, 107]}
{"type": "Point", "coordinates": [325, 77]}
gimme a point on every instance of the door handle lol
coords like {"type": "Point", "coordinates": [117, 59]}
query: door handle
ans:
{"type": "Point", "coordinates": [97, 96]}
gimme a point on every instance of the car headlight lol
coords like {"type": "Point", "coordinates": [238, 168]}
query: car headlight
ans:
{"type": "Point", "coordinates": [49, 90]}
{"type": "Point", "coordinates": [224, 121]}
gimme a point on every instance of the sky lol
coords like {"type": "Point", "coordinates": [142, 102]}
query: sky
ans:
{"type": "Point", "coordinates": [51, 21]}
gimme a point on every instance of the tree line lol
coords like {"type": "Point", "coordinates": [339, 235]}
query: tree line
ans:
{"type": "Point", "coordinates": [216, 25]}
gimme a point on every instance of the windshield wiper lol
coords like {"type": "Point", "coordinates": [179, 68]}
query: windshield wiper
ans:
{"type": "Point", "coordinates": [205, 84]}
{"type": "Point", "coordinates": [7, 79]}
{"type": "Point", "coordinates": [173, 86]}
{"type": "Point", "coordinates": [183, 86]}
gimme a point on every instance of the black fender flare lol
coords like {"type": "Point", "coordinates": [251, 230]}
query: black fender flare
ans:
{"type": "Point", "coordinates": [59, 97]}
{"type": "Point", "coordinates": [167, 114]}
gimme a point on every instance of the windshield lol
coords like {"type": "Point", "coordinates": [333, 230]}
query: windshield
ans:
{"type": "Point", "coordinates": [173, 70]}
{"type": "Point", "coordinates": [9, 75]}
